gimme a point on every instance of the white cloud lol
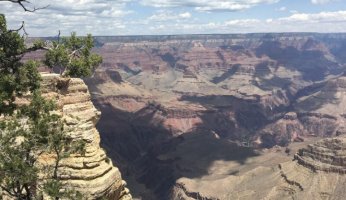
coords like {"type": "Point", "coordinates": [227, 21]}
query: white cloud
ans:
{"type": "Point", "coordinates": [83, 16]}
{"type": "Point", "coordinates": [166, 15]}
{"type": "Point", "coordinates": [322, 17]}
{"type": "Point", "coordinates": [112, 17]}
{"type": "Point", "coordinates": [321, 1]}
{"type": "Point", "coordinates": [283, 8]}
{"type": "Point", "coordinates": [300, 22]}
{"type": "Point", "coordinates": [185, 15]}
{"type": "Point", "coordinates": [242, 22]}
{"type": "Point", "coordinates": [208, 5]}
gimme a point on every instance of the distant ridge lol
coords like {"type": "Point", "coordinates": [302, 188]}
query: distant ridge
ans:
{"type": "Point", "coordinates": [211, 36]}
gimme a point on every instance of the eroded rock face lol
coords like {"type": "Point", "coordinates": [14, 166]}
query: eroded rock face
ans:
{"type": "Point", "coordinates": [282, 132]}
{"type": "Point", "coordinates": [328, 155]}
{"type": "Point", "coordinates": [317, 172]}
{"type": "Point", "coordinates": [94, 174]}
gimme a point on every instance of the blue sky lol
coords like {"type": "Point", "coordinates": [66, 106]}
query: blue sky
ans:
{"type": "Point", "coordinates": [155, 17]}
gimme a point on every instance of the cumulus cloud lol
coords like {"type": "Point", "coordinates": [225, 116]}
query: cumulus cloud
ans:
{"type": "Point", "coordinates": [166, 15]}
{"type": "Point", "coordinates": [322, 17]}
{"type": "Point", "coordinates": [321, 1]}
{"type": "Point", "coordinates": [84, 16]}
{"type": "Point", "coordinates": [113, 17]}
{"type": "Point", "coordinates": [208, 5]}
{"type": "Point", "coordinates": [299, 22]}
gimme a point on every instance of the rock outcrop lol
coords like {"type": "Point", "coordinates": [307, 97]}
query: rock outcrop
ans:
{"type": "Point", "coordinates": [282, 132]}
{"type": "Point", "coordinates": [93, 174]}
{"type": "Point", "coordinates": [317, 172]}
{"type": "Point", "coordinates": [328, 155]}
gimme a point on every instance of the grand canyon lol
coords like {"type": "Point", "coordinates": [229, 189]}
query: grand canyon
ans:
{"type": "Point", "coordinates": [172, 100]}
{"type": "Point", "coordinates": [239, 116]}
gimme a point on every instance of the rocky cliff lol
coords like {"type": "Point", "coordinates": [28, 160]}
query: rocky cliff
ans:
{"type": "Point", "coordinates": [316, 172]}
{"type": "Point", "coordinates": [93, 174]}
{"type": "Point", "coordinates": [328, 155]}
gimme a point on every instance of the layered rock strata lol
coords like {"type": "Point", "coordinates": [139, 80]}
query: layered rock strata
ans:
{"type": "Point", "coordinates": [317, 172]}
{"type": "Point", "coordinates": [328, 155]}
{"type": "Point", "coordinates": [286, 130]}
{"type": "Point", "coordinates": [93, 174]}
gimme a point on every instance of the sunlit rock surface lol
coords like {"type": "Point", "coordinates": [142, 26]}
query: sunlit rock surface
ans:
{"type": "Point", "coordinates": [93, 174]}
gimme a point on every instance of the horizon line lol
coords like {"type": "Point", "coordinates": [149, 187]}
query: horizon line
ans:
{"type": "Point", "coordinates": [198, 34]}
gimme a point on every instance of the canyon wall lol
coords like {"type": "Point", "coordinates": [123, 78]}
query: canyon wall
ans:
{"type": "Point", "coordinates": [316, 172]}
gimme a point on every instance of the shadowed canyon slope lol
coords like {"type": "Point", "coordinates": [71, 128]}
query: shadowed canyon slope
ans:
{"type": "Point", "coordinates": [210, 116]}
{"type": "Point", "coordinates": [182, 113]}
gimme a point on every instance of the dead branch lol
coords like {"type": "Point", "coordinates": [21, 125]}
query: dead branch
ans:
{"type": "Point", "coordinates": [21, 28]}
{"type": "Point", "coordinates": [22, 4]}
{"type": "Point", "coordinates": [59, 37]}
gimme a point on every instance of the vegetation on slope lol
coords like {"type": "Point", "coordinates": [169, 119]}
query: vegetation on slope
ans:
{"type": "Point", "coordinates": [32, 129]}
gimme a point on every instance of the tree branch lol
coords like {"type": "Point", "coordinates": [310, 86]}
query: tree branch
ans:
{"type": "Point", "coordinates": [59, 37]}
{"type": "Point", "coordinates": [35, 48]}
{"type": "Point", "coordinates": [76, 51]}
{"type": "Point", "coordinates": [22, 27]}
{"type": "Point", "coordinates": [22, 2]}
{"type": "Point", "coordinates": [18, 29]}
{"type": "Point", "coordinates": [8, 191]}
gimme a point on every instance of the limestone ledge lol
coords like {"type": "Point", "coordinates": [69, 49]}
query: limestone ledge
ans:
{"type": "Point", "coordinates": [328, 155]}
{"type": "Point", "coordinates": [93, 174]}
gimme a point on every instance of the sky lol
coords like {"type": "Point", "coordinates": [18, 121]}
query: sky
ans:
{"type": "Point", "coordinates": [169, 17]}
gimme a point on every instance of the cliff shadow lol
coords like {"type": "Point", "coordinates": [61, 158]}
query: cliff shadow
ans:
{"type": "Point", "coordinates": [151, 159]}
{"type": "Point", "coordinates": [190, 155]}
{"type": "Point", "coordinates": [312, 64]}
{"type": "Point", "coordinates": [248, 113]}
{"type": "Point", "coordinates": [317, 96]}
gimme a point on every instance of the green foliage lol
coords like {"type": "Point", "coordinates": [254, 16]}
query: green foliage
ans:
{"type": "Point", "coordinates": [54, 141]}
{"type": "Point", "coordinates": [18, 173]}
{"type": "Point", "coordinates": [72, 56]}
{"type": "Point", "coordinates": [34, 130]}
{"type": "Point", "coordinates": [23, 137]}
{"type": "Point", "coordinates": [31, 130]}
{"type": "Point", "coordinates": [55, 190]}
{"type": "Point", "coordinates": [16, 77]}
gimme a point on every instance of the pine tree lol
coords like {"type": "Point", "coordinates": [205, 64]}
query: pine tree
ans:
{"type": "Point", "coordinates": [35, 129]}
{"type": "Point", "coordinates": [32, 131]}
{"type": "Point", "coordinates": [16, 78]}
{"type": "Point", "coordinates": [72, 56]}
{"type": "Point", "coordinates": [23, 138]}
